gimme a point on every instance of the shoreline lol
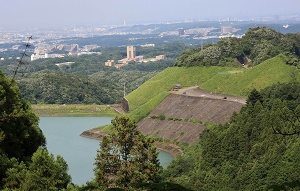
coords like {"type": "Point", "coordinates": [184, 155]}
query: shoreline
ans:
{"type": "Point", "coordinates": [172, 149]}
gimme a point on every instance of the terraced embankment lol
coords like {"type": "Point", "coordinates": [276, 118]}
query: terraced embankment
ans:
{"type": "Point", "coordinates": [178, 110]}
{"type": "Point", "coordinates": [185, 117]}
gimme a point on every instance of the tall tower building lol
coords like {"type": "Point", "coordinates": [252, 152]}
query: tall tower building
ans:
{"type": "Point", "coordinates": [131, 52]}
{"type": "Point", "coordinates": [226, 29]}
{"type": "Point", "coordinates": [180, 31]}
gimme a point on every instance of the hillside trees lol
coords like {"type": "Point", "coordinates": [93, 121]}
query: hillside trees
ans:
{"type": "Point", "coordinates": [85, 79]}
{"type": "Point", "coordinates": [230, 47]}
{"type": "Point", "coordinates": [126, 158]}
{"type": "Point", "coordinates": [249, 152]}
{"type": "Point", "coordinates": [43, 173]}
{"type": "Point", "coordinates": [21, 135]}
{"type": "Point", "coordinates": [171, 50]}
{"type": "Point", "coordinates": [255, 35]}
{"type": "Point", "coordinates": [180, 61]}
{"type": "Point", "coordinates": [25, 163]}
{"type": "Point", "coordinates": [59, 88]}
{"type": "Point", "coordinates": [258, 44]}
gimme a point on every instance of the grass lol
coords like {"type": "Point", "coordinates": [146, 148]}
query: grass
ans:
{"type": "Point", "coordinates": [225, 80]}
{"type": "Point", "coordinates": [241, 84]}
{"type": "Point", "coordinates": [73, 110]}
{"type": "Point", "coordinates": [145, 98]}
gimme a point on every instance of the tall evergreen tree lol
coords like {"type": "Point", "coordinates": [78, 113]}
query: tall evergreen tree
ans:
{"type": "Point", "coordinates": [254, 97]}
{"type": "Point", "coordinates": [44, 173]}
{"type": "Point", "coordinates": [20, 135]}
{"type": "Point", "coordinates": [18, 123]}
{"type": "Point", "coordinates": [126, 157]}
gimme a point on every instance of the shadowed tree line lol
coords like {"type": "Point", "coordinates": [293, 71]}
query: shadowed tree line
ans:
{"type": "Point", "coordinates": [257, 45]}
{"type": "Point", "coordinates": [256, 150]}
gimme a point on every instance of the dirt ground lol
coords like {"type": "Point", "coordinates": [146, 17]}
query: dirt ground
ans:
{"type": "Point", "coordinates": [195, 105]}
{"type": "Point", "coordinates": [195, 91]}
{"type": "Point", "coordinates": [178, 108]}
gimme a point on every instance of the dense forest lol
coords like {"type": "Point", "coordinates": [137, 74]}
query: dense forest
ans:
{"type": "Point", "coordinates": [126, 158]}
{"type": "Point", "coordinates": [256, 150]}
{"type": "Point", "coordinates": [87, 80]}
{"type": "Point", "coordinates": [257, 45]}
{"type": "Point", "coordinates": [93, 79]}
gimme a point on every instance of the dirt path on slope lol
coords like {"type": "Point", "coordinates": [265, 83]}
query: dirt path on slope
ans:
{"type": "Point", "coordinates": [195, 91]}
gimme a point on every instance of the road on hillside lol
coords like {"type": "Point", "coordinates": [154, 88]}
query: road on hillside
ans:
{"type": "Point", "coordinates": [195, 91]}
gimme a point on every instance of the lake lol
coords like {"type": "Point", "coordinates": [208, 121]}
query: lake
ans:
{"type": "Point", "coordinates": [62, 135]}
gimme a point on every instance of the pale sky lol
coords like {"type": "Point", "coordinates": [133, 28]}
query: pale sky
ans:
{"type": "Point", "coordinates": [36, 13]}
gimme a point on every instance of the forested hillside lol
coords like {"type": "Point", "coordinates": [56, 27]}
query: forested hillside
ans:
{"type": "Point", "coordinates": [233, 66]}
{"type": "Point", "coordinates": [85, 79]}
{"type": "Point", "coordinates": [257, 148]}
{"type": "Point", "coordinates": [60, 88]}
{"type": "Point", "coordinates": [25, 161]}
{"type": "Point", "coordinates": [216, 79]}
{"type": "Point", "coordinates": [257, 45]}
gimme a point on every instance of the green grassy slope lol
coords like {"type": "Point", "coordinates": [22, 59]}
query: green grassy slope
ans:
{"type": "Point", "coordinates": [145, 98]}
{"type": "Point", "coordinates": [225, 80]}
{"type": "Point", "coordinates": [265, 74]}
{"type": "Point", "coordinates": [73, 110]}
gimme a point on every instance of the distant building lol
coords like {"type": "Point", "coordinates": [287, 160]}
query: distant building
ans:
{"type": "Point", "coordinates": [160, 57]}
{"type": "Point", "coordinates": [138, 58]}
{"type": "Point", "coordinates": [149, 60]}
{"type": "Point", "coordinates": [148, 45]}
{"type": "Point", "coordinates": [90, 47]}
{"type": "Point", "coordinates": [68, 48]}
{"type": "Point", "coordinates": [131, 57]}
{"type": "Point", "coordinates": [88, 53]}
{"type": "Point", "coordinates": [126, 60]}
{"type": "Point", "coordinates": [44, 56]}
{"type": "Point", "coordinates": [15, 47]}
{"type": "Point", "coordinates": [119, 65]}
{"type": "Point", "coordinates": [228, 29]}
{"type": "Point", "coordinates": [180, 31]}
{"type": "Point", "coordinates": [110, 63]}
{"type": "Point", "coordinates": [131, 53]}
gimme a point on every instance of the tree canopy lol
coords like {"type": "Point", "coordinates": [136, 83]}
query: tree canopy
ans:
{"type": "Point", "coordinates": [25, 162]}
{"type": "Point", "coordinates": [257, 45]}
{"type": "Point", "coordinates": [126, 157]}
{"type": "Point", "coordinates": [250, 152]}
{"type": "Point", "coordinates": [21, 135]}
{"type": "Point", "coordinates": [43, 173]}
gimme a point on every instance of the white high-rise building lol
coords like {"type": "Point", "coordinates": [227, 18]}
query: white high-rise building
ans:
{"type": "Point", "coordinates": [131, 53]}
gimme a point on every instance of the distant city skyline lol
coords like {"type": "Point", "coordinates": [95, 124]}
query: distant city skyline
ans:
{"type": "Point", "coordinates": [47, 13]}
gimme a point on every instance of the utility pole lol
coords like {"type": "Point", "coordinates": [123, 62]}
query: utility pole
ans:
{"type": "Point", "coordinates": [124, 90]}
{"type": "Point", "coordinates": [201, 42]}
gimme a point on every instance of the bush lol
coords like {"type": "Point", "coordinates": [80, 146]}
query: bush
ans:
{"type": "Point", "coordinates": [162, 117]}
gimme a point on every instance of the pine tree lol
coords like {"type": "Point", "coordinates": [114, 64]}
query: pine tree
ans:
{"type": "Point", "coordinates": [254, 97]}
{"type": "Point", "coordinates": [45, 172]}
{"type": "Point", "coordinates": [126, 157]}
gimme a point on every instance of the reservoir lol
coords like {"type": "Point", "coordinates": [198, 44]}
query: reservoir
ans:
{"type": "Point", "coordinates": [62, 135]}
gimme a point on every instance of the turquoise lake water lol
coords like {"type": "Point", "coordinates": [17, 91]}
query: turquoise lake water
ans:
{"type": "Point", "coordinates": [62, 134]}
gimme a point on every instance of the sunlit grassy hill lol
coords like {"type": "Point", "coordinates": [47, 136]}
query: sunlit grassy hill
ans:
{"type": "Point", "coordinates": [151, 93]}
{"type": "Point", "coordinates": [241, 83]}
{"type": "Point", "coordinates": [225, 80]}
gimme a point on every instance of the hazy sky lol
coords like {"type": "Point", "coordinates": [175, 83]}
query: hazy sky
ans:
{"type": "Point", "coordinates": [34, 13]}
